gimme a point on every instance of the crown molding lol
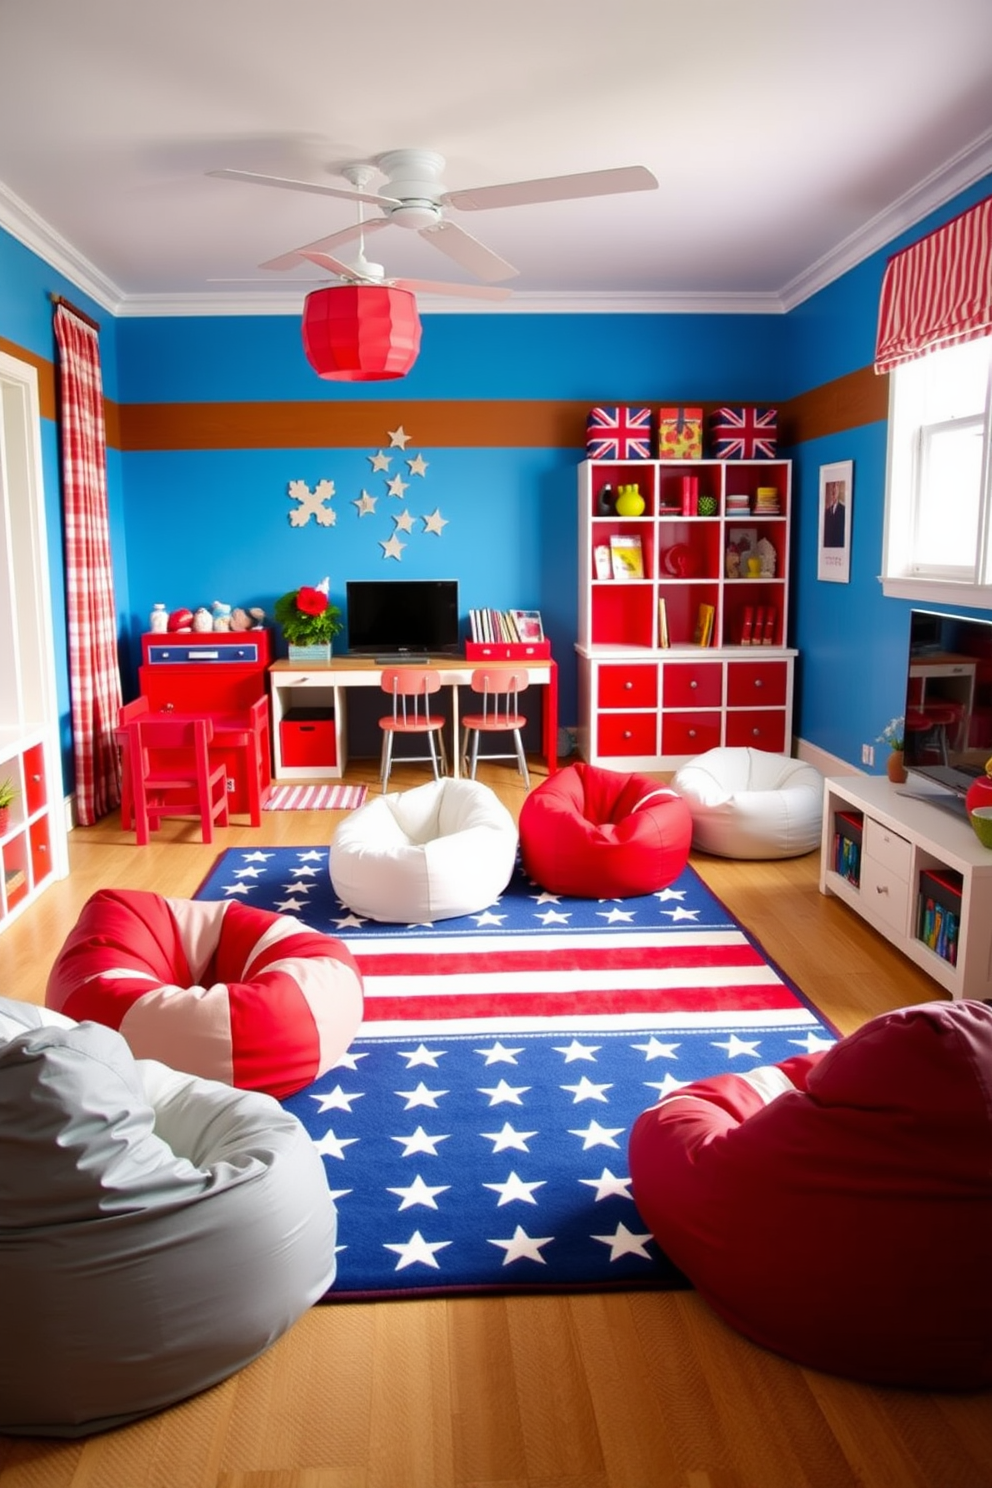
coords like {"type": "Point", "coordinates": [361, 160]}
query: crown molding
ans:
{"type": "Point", "coordinates": [956, 175]}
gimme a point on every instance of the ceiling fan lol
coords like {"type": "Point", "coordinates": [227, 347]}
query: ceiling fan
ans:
{"type": "Point", "coordinates": [414, 197]}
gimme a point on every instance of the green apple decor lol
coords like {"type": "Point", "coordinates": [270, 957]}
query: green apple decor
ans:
{"type": "Point", "coordinates": [978, 802]}
{"type": "Point", "coordinates": [707, 506]}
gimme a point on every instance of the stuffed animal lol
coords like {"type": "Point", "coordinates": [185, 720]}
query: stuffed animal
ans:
{"type": "Point", "coordinates": [181, 620]}
{"type": "Point", "coordinates": [221, 615]}
{"type": "Point", "coordinates": [240, 619]}
{"type": "Point", "coordinates": [202, 619]}
{"type": "Point", "coordinates": [258, 617]}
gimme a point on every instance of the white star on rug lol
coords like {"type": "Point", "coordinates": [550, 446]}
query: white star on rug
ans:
{"type": "Point", "coordinates": [419, 1141]}
{"type": "Point", "coordinates": [379, 460]}
{"type": "Point", "coordinates": [488, 918]}
{"type": "Point", "coordinates": [421, 1097]}
{"type": "Point", "coordinates": [236, 888]}
{"type": "Point", "coordinates": [392, 548]}
{"type": "Point", "coordinates": [523, 1247]}
{"type": "Point", "coordinates": [615, 916]}
{"type": "Point", "coordinates": [435, 522]}
{"type": "Point", "coordinates": [575, 1050]}
{"type": "Point", "coordinates": [654, 1049]}
{"type": "Point", "coordinates": [417, 1250]}
{"type": "Point", "coordinates": [552, 917]}
{"type": "Point", "coordinates": [623, 1242]}
{"type": "Point", "coordinates": [595, 1135]}
{"type": "Point", "coordinates": [313, 855]}
{"type": "Point", "coordinates": [586, 1090]}
{"type": "Point", "coordinates": [509, 1138]}
{"type": "Point", "coordinates": [349, 1060]}
{"type": "Point", "coordinates": [812, 1043]}
{"type": "Point", "coordinates": [497, 1054]}
{"type": "Point", "coordinates": [257, 857]}
{"type": "Point", "coordinates": [397, 487]}
{"type": "Point", "coordinates": [418, 465]}
{"type": "Point", "coordinates": [337, 1100]}
{"type": "Point", "coordinates": [664, 894]}
{"type": "Point", "coordinates": [304, 872]}
{"type": "Point", "coordinates": [419, 1192]}
{"type": "Point", "coordinates": [290, 906]}
{"type": "Point", "coordinates": [298, 888]}
{"type": "Point", "coordinates": [503, 1094]}
{"type": "Point", "coordinates": [682, 914]}
{"type": "Point", "coordinates": [421, 1055]}
{"type": "Point", "coordinates": [735, 1046]}
{"type": "Point", "coordinates": [667, 1085]}
{"type": "Point", "coordinates": [546, 898]}
{"type": "Point", "coordinates": [332, 1146]}
{"type": "Point", "coordinates": [349, 922]}
{"type": "Point", "coordinates": [399, 438]}
{"type": "Point", "coordinates": [609, 1186]}
{"type": "Point", "coordinates": [515, 1189]}
{"type": "Point", "coordinates": [248, 872]}
{"type": "Point", "coordinates": [365, 504]}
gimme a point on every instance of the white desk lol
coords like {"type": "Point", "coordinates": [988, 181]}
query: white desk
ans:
{"type": "Point", "coordinates": [327, 685]}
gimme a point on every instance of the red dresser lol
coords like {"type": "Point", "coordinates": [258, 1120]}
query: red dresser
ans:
{"type": "Point", "coordinates": [220, 674]}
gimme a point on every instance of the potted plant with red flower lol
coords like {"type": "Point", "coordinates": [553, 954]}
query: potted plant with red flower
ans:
{"type": "Point", "coordinates": [308, 621]}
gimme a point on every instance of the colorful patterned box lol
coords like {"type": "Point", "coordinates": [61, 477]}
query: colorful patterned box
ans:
{"type": "Point", "coordinates": [618, 433]}
{"type": "Point", "coordinates": [680, 433]}
{"type": "Point", "coordinates": [744, 433]}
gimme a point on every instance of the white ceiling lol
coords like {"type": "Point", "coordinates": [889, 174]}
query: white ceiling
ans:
{"type": "Point", "coordinates": [790, 139]}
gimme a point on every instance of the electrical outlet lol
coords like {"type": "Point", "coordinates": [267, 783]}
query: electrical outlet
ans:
{"type": "Point", "coordinates": [230, 786]}
{"type": "Point", "coordinates": [867, 754]}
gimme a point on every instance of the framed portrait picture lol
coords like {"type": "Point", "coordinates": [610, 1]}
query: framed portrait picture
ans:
{"type": "Point", "coordinates": [836, 509]}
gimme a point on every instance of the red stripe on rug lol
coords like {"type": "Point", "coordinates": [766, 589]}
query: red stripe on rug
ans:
{"type": "Point", "coordinates": [704, 999]}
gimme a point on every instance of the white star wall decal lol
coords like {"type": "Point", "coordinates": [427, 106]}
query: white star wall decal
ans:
{"type": "Point", "coordinates": [365, 504]}
{"type": "Point", "coordinates": [380, 461]}
{"type": "Point", "coordinates": [435, 522]}
{"type": "Point", "coordinates": [392, 548]}
{"type": "Point", "coordinates": [397, 487]}
{"type": "Point", "coordinates": [418, 465]}
{"type": "Point", "coordinates": [398, 438]}
{"type": "Point", "coordinates": [404, 521]}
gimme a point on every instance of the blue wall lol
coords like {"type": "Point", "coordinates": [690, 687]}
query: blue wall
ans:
{"type": "Point", "coordinates": [192, 526]}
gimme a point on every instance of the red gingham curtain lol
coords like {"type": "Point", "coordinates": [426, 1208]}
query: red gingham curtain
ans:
{"type": "Point", "coordinates": [93, 670]}
{"type": "Point", "coordinates": [937, 292]}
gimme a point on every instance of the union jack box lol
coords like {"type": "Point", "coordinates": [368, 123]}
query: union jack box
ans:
{"type": "Point", "coordinates": [618, 433]}
{"type": "Point", "coordinates": [680, 433]}
{"type": "Point", "coordinates": [744, 433]}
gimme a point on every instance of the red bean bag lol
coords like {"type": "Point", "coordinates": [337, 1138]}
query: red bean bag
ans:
{"type": "Point", "coordinates": [837, 1208]}
{"type": "Point", "coordinates": [598, 834]}
{"type": "Point", "coordinates": [224, 991]}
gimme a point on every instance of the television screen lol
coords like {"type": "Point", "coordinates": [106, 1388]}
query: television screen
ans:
{"type": "Point", "coordinates": [948, 711]}
{"type": "Point", "coordinates": [394, 618]}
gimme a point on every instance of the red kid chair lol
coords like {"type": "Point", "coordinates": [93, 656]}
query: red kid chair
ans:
{"type": "Point", "coordinates": [128, 713]}
{"type": "Point", "coordinates": [410, 689]}
{"type": "Point", "coordinates": [499, 688]}
{"type": "Point", "coordinates": [185, 784]}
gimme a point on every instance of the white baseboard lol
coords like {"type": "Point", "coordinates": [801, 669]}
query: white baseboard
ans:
{"type": "Point", "coordinates": [827, 764]}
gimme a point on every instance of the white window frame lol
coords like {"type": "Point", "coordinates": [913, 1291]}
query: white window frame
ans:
{"type": "Point", "coordinates": [902, 577]}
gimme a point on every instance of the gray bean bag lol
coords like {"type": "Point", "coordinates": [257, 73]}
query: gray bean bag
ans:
{"type": "Point", "coordinates": [157, 1231]}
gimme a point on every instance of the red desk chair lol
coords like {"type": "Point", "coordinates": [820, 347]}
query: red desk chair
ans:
{"type": "Point", "coordinates": [411, 689]}
{"type": "Point", "coordinates": [250, 733]}
{"type": "Point", "coordinates": [499, 688]}
{"type": "Point", "coordinates": [127, 715]}
{"type": "Point", "coordinates": [171, 774]}
{"type": "Point", "coordinates": [933, 722]}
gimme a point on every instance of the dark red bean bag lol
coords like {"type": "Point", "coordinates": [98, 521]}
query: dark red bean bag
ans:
{"type": "Point", "coordinates": [599, 834]}
{"type": "Point", "coordinates": [838, 1208]}
{"type": "Point", "coordinates": [223, 990]}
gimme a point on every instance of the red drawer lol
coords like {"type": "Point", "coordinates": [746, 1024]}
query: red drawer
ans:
{"type": "Point", "coordinates": [307, 741]}
{"type": "Point", "coordinates": [692, 684]}
{"type": "Point", "coordinates": [628, 733]}
{"type": "Point", "coordinates": [35, 795]}
{"type": "Point", "coordinates": [757, 683]}
{"type": "Point", "coordinates": [689, 733]}
{"type": "Point", "coordinates": [628, 686]}
{"type": "Point", "coordinates": [41, 850]}
{"type": "Point", "coordinates": [756, 730]}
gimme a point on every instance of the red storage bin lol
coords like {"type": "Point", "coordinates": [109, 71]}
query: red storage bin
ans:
{"type": "Point", "coordinates": [306, 737]}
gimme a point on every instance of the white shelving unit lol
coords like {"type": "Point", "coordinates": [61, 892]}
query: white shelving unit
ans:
{"type": "Point", "coordinates": [906, 832]}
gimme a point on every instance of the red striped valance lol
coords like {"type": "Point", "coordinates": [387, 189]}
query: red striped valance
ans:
{"type": "Point", "coordinates": [938, 292]}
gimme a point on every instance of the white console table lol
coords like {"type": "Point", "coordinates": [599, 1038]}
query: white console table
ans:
{"type": "Point", "coordinates": [904, 834]}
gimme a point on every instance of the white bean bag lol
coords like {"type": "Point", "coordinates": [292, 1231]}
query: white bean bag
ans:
{"type": "Point", "coordinates": [221, 990]}
{"type": "Point", "coordinates": [444, 849]}
{"type": "Point", "coordinates": [157, 1231]}
{"type": "Point", "coordinates": [747, 803]}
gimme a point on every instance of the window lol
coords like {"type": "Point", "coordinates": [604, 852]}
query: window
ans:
{"type": "Point", "coordinates": [937, 542]}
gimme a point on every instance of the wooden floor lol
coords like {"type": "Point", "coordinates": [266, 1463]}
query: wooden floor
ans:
{"type": "Point", "coordinates": [587, 1391]}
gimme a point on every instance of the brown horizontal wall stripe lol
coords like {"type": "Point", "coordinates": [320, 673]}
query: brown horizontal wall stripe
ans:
{"type": "Point", "coordinates": [46, 375]}
{"type": "Point", "coordinates": [848, 402]}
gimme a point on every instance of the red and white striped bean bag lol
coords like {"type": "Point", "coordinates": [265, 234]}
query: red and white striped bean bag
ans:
{"type": "Point", "coordinates": [837, 1208]}
{"type": "Point", "coordinates": [224, 991]}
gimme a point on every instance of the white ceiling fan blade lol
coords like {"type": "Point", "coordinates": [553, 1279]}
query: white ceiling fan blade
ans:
{"type": "Point", "coordinates": [469, 291]}
{"type": "Point", "coordinates": [335, 265]}
{"type": "Point", "coordinates": [287, 184]}
{"type": "Point", "coordinates": [468, 251]}
{"type": "Point", "coordinates": [553, 188]}
{"type": "Point", "coordinates": [346, 235]}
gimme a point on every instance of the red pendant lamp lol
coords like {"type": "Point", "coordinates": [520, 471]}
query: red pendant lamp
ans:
{"type": "Point", "coordinates": [361, 332]}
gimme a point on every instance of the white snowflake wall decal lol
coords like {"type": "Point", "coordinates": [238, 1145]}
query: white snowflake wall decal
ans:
{"type": "Point", "coordinates": [311, 503]}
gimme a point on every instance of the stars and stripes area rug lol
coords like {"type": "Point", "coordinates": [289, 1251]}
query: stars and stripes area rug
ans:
{"type": "Point", "coordinates": [475, 1133]}
{"type": "Point", "coordinates": [315, 798]}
